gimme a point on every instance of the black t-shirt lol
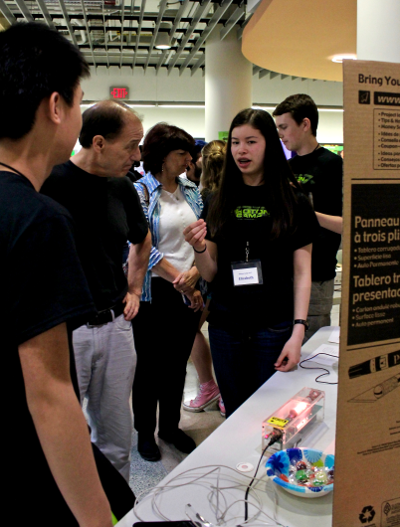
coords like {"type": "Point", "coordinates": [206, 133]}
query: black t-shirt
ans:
{"type": "Point", "coordinates": [251, 222]}
{"type": "Point", "coordinates": [107, 212]}
{"type": "Point", "coordinates": [42, 285]}
{"type": "Point", "coordinates": [321, 174]}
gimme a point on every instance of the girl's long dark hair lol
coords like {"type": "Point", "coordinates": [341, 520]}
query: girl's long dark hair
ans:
{"type": "Point", "coordinates": [279, 180]}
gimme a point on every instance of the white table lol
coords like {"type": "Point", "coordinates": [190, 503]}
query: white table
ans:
{"type": "Point", "coordinates": [239, 440]}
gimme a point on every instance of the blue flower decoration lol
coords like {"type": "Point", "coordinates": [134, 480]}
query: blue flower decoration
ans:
{"type": "Point", "coordinates": [330, 461]}
{"type": "Point", "coordinates": [279, 463]}
{"type": "Point", "coordinates": [295, 455]}
{"type": "Point", "coordinates": [312, 455]}
{"type": "Point", "coordinates": [278, 470]}
{"type": "Point", "coordinates": [315, 489]}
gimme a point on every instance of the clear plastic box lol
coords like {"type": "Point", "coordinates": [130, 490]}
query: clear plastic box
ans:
{"type": "Point", "coordinates": [296, 418]}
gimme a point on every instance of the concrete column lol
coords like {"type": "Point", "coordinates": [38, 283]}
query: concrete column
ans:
{"type": "Point", "coordinates": [378, 30]}
{"type": "Point", "coordinates": [228, 82]}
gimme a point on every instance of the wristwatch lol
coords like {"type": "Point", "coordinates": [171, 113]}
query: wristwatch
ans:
{"type": "Point", "coordinates": [301, 321]}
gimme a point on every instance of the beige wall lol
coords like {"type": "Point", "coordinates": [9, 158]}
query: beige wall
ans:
{"type": "Point", "coordinates": [164, 87]}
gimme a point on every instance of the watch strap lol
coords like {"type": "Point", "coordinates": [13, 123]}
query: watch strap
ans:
{"type": "Point", "coordinates": [301, 321]}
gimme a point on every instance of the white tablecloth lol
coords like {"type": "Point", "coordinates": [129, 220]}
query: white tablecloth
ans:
{"type": "Point", "coordinates": [239, 440]}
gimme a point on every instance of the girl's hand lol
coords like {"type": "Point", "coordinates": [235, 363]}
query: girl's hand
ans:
{"type": "Point", "coordinates": [195, 234]}
{"type": "Point", "coordinates": [290, 355]}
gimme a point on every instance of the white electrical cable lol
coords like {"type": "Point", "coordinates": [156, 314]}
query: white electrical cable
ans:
{"type": "Point", "coordinates": [215, 496]}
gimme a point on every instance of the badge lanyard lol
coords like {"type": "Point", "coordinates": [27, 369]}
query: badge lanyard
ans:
{"type": "Point", "coordinates": [247, 272]}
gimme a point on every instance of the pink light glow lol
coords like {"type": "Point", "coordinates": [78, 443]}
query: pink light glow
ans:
{"type": "Point", "coordinates": [300, 407]}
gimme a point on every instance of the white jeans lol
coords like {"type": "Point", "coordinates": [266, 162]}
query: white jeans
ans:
{"type": "Point", "coordinates": [105, 363]}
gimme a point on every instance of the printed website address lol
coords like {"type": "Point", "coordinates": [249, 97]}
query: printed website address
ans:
{"type": "Point", "coordinates": [386, 99]}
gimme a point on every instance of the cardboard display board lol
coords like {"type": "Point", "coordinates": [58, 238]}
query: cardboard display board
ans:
{"type": "Point", "coordinates": [367, 471]}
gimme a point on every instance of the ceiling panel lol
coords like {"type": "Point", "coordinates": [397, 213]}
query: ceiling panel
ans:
{"type": "Point", "coordinates": [124, 32]}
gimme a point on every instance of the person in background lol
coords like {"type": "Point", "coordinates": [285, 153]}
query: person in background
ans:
{"type": "Point", "coordinates": [43, 288]}
{"type": "Point", "coordinates": [194, 168]}
{"type": "Point", "coordinates": [171, 303]}
{"type": "Point", "coordinates": [320, 173]}
{"type": "Point", "coordinates": [256, 250]}
{"type": "Point", "coordinates": [106, 209]}
{"type": "Point", "coordinates": [213, 156]}
{"type": "Point", "coordinates": [136, 172]}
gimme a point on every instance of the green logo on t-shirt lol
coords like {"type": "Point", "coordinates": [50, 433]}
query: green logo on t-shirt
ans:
{"type": "Point", "coordinates": [305, 178]}
{"type": "Point", "coordinates": [247, 212]}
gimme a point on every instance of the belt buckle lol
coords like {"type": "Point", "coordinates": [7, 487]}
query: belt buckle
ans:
{"type": "Point", "coordinates": [91, 326]}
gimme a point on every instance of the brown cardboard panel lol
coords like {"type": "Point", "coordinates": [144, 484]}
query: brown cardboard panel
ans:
{"type": "Point", "coordinates": [367, 471]}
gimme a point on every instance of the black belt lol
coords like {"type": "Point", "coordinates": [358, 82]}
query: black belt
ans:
{"type": "Point", "coordinates": [106, 316]}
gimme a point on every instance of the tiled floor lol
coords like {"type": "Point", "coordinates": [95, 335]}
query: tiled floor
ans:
{"type": "Point", "coordinates": [145, 474]}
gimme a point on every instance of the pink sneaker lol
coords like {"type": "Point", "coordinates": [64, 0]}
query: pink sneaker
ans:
{"type": "Point", "coordinates": [221, 407]}
{"type": "Point", "coordinates": [208, 393]}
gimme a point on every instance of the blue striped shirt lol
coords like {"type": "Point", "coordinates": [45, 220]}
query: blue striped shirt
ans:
{"type": "Point", "coordinates": [151, 208]}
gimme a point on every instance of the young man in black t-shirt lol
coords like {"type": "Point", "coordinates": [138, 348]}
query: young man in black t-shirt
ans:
{"type": "Point", "coordinates": [48, 468]}
{"type": "Point", "coordinates": [320, 172]}
{"type": "Point", "coordinates": [105, 207]}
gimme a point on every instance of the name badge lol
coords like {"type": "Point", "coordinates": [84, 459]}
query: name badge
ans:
{"type": "Point", "coordinates": [247, 273]}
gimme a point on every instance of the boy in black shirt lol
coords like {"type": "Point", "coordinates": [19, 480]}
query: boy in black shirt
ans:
{"type": "Point", "coordinates": [43, 287]}
{"type": "Point", "coordinates": [320, 173]}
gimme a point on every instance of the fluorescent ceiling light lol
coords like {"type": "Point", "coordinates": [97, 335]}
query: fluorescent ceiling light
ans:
{"type": "Point", "coordinates": [195, 106]}
{"type": "Point", "coordinates": [270, 108]}
{"type": "Point", "coordinates": [163, 40]}
{"type": "Point", "coordinates": [260, 107]}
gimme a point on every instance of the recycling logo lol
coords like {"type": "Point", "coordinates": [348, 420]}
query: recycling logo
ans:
{"type": "Point", "coordinates": [367, 514]}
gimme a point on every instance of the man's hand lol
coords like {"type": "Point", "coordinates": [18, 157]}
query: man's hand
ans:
{"type": "Point", "coordinates": [132, 304]}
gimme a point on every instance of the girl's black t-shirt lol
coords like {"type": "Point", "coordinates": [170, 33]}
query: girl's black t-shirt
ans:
{"type": "Point", "coordinates": [250, 225]}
